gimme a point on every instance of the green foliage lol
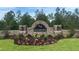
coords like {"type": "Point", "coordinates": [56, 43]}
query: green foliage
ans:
{"type": "Point", "coordinates": [26, 19]}
{"type": "Point", "coordinates": [40, 15]}
{"type": "Point", "coordinates": [68, 19]}
{"type": "Point", "coordinates": [2, 25]}
{"type": "Point", "coordinates": [51, 19]}
{"type": "Point", "coordinates": [10, 21]}
{"type": "Point", "coordinates": [70, 44]}
{"type": "Point", "coordinates": [72, 32]}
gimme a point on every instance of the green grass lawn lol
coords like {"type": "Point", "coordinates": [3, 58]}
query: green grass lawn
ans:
{"type": "Point", "coordinates": [71, 44]}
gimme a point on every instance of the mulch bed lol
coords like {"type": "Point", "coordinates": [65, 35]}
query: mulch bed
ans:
{"type": "Point", "coordinates": [30, 40]}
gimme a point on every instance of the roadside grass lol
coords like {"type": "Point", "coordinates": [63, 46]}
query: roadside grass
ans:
{"type": "Point", "coordinates": [68, 44]}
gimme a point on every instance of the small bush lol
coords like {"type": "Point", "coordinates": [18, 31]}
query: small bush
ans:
{"type": "Point", "coordinates": [72, 32]}
{"type": "Point", "coordinates": [30, 36]}
{"type": "Point", "coordinates": [58, 37]}
{"type": "Point", "coordinates": [42, 36]}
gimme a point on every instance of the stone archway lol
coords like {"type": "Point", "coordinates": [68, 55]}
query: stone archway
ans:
{"type": "Point", "coordinates": [39, 27]}
{"type": "Point", "coordinates": [40, 22]}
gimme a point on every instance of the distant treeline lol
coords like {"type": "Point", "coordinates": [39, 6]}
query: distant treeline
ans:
{"type": "Point", "coordinates": [68, 19]}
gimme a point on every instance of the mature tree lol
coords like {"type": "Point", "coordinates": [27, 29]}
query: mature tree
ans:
{"type": "Point", "coordinates": [18, 16]}
{"type": "Point", "coordinates": [40, 15]}
{"type": "Point", "coordinates": [76, 16]}
{"type": "Point", "coordinates": [72, 20]}
{"type": "Point", "coordinates": [2, 24]}
{"type": "Point", "coordinates": [9, 20]}
{"type": "Point", "coordinates": [50, 16]}
{"type": "Point", "coordinates": [57, 16]}
{"type": "Point", "coordinates": [67, 22]}
{"type": "Point", "coordinates": [51, 19]}
{"type": "Point", "coordinates": [63, 17]}
{"type": "Point", "coordinates": [77, 11]}
{"type": "Point", "coordinates": [26, 19]}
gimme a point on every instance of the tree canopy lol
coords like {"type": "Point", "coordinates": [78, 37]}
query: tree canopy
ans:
{"type": "Point", "coordinates": [27, 20]}
{"type": "Point", "coordinates": [66, 18]}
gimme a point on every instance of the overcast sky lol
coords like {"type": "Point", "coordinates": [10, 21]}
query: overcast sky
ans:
{"type": "Point", "coordinates": [31, 10]}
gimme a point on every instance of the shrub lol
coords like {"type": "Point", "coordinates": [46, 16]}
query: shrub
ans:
{"type": "Point", "coordinates": [58, 37]}
{"type": "Point", "coordinates": [50, 39]}
{"type": "Point", "coordinates": [30, 36]}
{"type": "Point", "coordinates": [30, 40]}
{"type": "Point", "coordinates": [42, 36]}
{"type": "Point", "coordinates": [72, 32]}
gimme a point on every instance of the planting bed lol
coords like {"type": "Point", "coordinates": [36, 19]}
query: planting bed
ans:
{"type": "Point", "coordinates": [31, 40]}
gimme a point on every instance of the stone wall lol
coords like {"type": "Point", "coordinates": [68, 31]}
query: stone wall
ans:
{"type": "Point", "coordinates": [11, 32]}
{"type": "Point", "coordinates": [30, 30]}
{"type": "Point", "coordinates": [66, 33]}
{"type": "Point", "coordinates": [53, 33]}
